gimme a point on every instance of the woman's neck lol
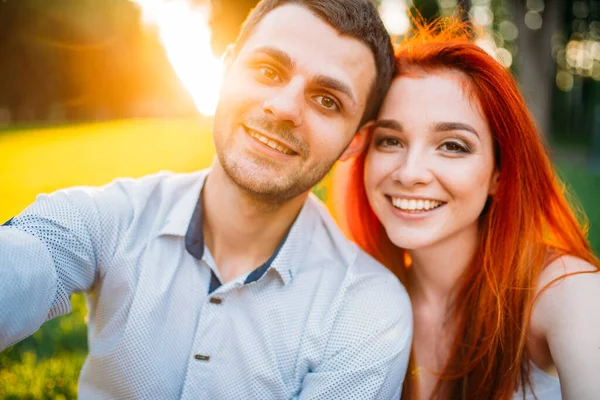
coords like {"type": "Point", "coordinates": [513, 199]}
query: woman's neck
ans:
{"type": "Point", "coordinates": [436, 270]}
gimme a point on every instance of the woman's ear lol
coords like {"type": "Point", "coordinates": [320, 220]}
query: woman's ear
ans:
{"type": "Point", "coordinates": [494, 183]}
{"type": "Point", "coordinates": [358, 143]}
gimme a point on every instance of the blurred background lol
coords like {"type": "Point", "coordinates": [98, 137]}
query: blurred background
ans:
{"type": "Point", "coordinates": [91, 90]}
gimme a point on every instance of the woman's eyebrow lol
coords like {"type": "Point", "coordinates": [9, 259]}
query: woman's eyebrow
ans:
{"type": "Point", "coordinates": [455, 126]}
{"type": "Point", "coordinates": [389, 124]}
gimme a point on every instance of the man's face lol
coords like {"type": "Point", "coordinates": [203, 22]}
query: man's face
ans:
{"type": "Point", "coordinates": [291, 101]}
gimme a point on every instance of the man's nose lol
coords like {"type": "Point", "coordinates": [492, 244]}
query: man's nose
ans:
{"type": "Point", "coordinates": [287, 102]}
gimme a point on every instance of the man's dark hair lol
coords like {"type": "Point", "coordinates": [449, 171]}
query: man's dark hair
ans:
{"type": "Point", "coordinates": [356, 18]}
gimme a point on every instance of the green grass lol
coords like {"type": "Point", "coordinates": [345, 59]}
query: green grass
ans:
{"type": "Point", "coordinates": [585, 188]}
{"type": "Point", "coordinates": [46, 365]}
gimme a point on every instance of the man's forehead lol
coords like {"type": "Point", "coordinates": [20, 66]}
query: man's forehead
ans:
{"type": "Point", "coordinates": [312, 44]}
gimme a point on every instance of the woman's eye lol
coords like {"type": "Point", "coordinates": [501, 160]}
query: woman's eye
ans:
{"type": "Point", "coordinates": [388, 142]}
{"type": "Point", "coordinates": [269, 73]}
{"type": "Point", "coordinates": [454, 147]}
{"type": "Point", "coordinates": [327, 102]}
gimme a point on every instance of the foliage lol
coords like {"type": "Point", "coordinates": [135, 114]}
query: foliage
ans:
{"type": "Point", "coordinates": [584, 187]}
{"type": "Point", "coordinates": [46, 365]}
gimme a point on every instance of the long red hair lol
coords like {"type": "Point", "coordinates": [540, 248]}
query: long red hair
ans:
{"type": "Point", "coordinates": [528, 218]}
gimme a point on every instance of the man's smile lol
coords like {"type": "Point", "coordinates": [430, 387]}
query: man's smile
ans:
{"type": "Point", "coordinates": [272, 143]}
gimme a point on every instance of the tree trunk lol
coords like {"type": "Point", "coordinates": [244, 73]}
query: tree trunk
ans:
{"type": "Point", "coordinates": [535, 66]}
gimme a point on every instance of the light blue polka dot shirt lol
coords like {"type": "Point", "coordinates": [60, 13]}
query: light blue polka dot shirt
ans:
{"type": "Point", "coordinates": [321, 320]}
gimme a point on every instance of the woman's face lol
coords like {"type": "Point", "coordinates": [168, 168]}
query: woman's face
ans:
{"type": "Point", "coordinates": [430, 163]}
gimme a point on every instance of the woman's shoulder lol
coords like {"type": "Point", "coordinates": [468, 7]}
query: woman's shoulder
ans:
{"type": "Point", "coordinates": [566, 283]}
{"type": "Point", "coordinates": [559, 266]}
{"type": "Point", "coordinates": [565, 322]}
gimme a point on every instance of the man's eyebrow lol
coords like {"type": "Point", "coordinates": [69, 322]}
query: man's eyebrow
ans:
{"type": "Point", "coordinates": [280, 56]}
{"type": "Point", "coordinates": [389, 124]}
{"type": "Point", "coordinates": [335, 84]}
{"type": "Point", "coordinates": [455, 126]}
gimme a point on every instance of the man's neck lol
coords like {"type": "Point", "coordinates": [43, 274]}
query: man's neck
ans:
{"type": "Point", "coordinates": [240, 231]}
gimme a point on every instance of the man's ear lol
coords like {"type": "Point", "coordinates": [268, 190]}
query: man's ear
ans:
{"type": "Point", "coordinates": [228, 57]}
{"type": "Point", "coordinates": [358, 143]}
{"type": "Point", "coordinates": [494, 183]}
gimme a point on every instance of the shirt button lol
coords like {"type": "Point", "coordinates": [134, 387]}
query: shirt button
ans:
{"type": "Point", "coordinates": [201, 357]}
{"type": "Point", "coordinates": [216, 300]}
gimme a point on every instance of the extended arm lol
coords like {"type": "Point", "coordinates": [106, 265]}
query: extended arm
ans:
{"type": "Point", "coordinates": [48, 252]}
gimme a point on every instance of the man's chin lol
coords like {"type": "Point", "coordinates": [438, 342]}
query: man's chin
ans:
{"type": "Point", "coordinates": [262, 184]}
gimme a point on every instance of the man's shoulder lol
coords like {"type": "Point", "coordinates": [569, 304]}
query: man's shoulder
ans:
{"type": "Point", "coordinates": [164, 180]}
{"type": "Point", "coordinates": [370, 301]}
{"type": "Point", "coordinates": [358, 272]}
{"type": "Point", "coordinates": [122, 200]}
{"type": "Point", "coordinates": [331, 243]}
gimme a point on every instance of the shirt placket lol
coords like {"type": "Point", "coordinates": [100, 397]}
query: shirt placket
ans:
{"type": "Point", "coordinates": [207, 348]}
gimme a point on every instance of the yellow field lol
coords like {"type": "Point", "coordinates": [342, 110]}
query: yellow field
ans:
{"type": "Point", "coordinates": [41, 161]}
{"type": "Point", "coordinates": [44, 160]}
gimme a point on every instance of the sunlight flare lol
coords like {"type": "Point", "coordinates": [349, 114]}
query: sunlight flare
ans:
{"type": "Point", "coordinates": [185, 34]}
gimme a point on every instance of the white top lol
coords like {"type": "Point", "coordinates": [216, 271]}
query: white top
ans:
{"type": "Point", "coordinates": [322, 320]}
{"type": "Point", "coordinates": [545, 386]}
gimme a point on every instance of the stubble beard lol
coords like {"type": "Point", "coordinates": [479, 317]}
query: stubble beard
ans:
{"type": "Point", "coordinates": [249, 175]}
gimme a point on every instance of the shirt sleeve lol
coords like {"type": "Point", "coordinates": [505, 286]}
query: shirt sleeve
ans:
{"type": "Point", "coordinates": [54, 248]}
{"type": "Point", "coordinates": [369, 346]}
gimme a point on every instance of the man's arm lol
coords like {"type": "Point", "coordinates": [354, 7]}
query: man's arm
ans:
{"type": "Point", "coordinates": [50, 251]}
{"type": "Point", "coordinates": [369, 346]}
{"type": "Point", "coordinates": [27, 285]}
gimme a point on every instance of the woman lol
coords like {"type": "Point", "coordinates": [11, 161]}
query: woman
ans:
{"type": "Point", "coordinates": [455, 193]}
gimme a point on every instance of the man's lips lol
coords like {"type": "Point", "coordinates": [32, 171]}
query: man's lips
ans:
{"type": "Point", "coordinates": [268, 141]}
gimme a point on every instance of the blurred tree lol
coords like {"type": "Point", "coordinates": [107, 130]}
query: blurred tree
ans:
{"type": "Point", "coordinates": [534, 65]}
{"type": "Point", "coordinates": [227, 17]}
{"type": "Point", "coordinates": [81, 59]}
{"type": "Point", "coordinates": [31, 74]}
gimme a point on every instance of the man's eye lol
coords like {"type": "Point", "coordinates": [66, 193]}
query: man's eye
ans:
{"type": "Point", "coordinates": [327, 102]}
{"type": "Point", "coordinates": [269, 73]}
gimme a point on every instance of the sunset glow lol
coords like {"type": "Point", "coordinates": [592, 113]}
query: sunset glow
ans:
{"type": "Point", "coordinates": [185, 34]}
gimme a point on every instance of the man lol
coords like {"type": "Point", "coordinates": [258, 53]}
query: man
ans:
{"type": "Point", "coordinates": [233, 282]}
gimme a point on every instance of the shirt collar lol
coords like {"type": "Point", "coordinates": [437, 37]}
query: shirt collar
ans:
{"type": "Point", "coordinates": [292, 251]}
{"type": "Point", "coordinates": [285, 259]}
{"type": "Point", "coordinates": [185, 220]}
{"type": "Point", "coordinates": [179, 216]}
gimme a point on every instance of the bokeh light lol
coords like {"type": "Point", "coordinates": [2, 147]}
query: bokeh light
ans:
{"type": "Point", "coordinates": [535, 5]}
{"type": "Point", "coordinates": [394, 16]}
{"type": "Point", "coordinates": [508, 30]}
{"type": "Point", "coordinates": [533, 20]}
{"type": "Point", "coordinates": [564, 80]}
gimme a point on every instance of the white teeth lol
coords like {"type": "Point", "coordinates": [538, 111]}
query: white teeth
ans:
{"type": "Point", "coordinates": [412, 204]}
{"type": "Point", "coordinates": [415, 205]}
{"type": "Point", "coordinates": [269, 142]}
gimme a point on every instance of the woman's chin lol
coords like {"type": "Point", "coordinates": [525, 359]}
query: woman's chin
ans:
{"type": "Point", "coordinates": [409, 241]}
